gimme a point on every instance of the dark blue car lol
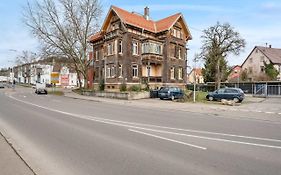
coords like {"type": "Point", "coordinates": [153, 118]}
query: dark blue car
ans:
{"type": "Point", "coordinates": [170, 93]}
{"type": "Point", "coordinates": [235, 94]}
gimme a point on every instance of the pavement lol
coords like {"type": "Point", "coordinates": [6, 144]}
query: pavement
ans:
{"type": "Point", "coordinates": [250, 104]}
{"type": "Point", "coordinates": [12, 164]}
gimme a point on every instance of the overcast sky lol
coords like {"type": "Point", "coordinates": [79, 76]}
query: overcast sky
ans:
{"type": "Point", "coordinates": [258, 21]}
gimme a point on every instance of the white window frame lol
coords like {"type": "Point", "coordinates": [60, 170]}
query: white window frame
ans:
{"type": "Point", "coordinates": [135, 48]}
{"type": "Point", "coordinates": [120, 46]}
{"type": "Point", "coordinates": [179, 53]}
{"type": "Point", "coordinates": [120, 69]}
{"type": "Point", "coordinates": [172, 71]}
{"type": "Point", "coordinates": [135, 71]}
{"type": "Point", "coordinates": [97, 55]}
{"type": "Point", "coordinates": [180, 73]}
{"type": "Point", "coordinates": [148, 71]}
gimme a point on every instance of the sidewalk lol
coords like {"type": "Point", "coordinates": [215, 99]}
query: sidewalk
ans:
{"type": "Point", "coordinates": [250, 104]}
{"type": "Point", "coordinates": [10, 162]}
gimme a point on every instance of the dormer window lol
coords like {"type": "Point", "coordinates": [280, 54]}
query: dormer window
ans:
{"type": "Point", "coordinates": [177, 33]}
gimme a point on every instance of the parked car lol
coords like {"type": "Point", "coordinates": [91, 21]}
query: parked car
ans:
{"type": "Point", "coordinates": [235, 94]}
{"type": "Point", "coordinates": [170, 93]}
{"type": "Point", "coordinates": [41, 88]}
{"type": "Point", "coordinates": [2, 85]}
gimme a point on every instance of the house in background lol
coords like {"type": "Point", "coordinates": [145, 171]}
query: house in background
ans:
{"type": "Point", "coordinates": [235, 74]}
{"type": "Point", "coordinates": [133, 49]}
{"type": "Point", "coordinates": [40, 71]}
{"type": "Point", "coordinates": [196, 76]}
{"type": "Point", "coordinates": [254, 64]}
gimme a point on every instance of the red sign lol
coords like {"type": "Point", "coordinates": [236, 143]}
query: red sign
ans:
{"type": "Point", "coordinates": [64, 80]}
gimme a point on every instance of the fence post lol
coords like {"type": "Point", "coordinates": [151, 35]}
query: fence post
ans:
{"type": "Point", "coordinates": [266, 90]}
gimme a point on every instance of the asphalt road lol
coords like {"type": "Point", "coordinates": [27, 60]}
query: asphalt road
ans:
{"type": "Point", "coordinates": [58, 135]}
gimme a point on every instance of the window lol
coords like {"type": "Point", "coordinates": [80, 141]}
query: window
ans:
{"type": "Point", "coordinates": [120, 47]}
{"type": "Point", "coordinates": [135, 70]}
{"type": "Point", "coordinates": [175, 51]}
{"type": "Point", "coordinates": [262, 69]}
{"type": "Point", "coordinates": [180, 57]}
{"type": "Point", "coordinates": [110, 49]}
{"type": "Point", "coordinates": [112, 72]}
{"type": "Point", "coordinates": [172, 71]}
{"type": "Point", "coordinates": [180, 73]}
{"type": "Point", "coordinates": [135, 48]}
{"type": "Point", "coordinates": [97, 55]}
{"type": "Point", "coordinates": [108, 72]}
{"type": "Point", "coordinates": [151, 48]}
{"type": "Point", "coordinates": [120, 70]}
{"type": "Point", "coordinates": [177, 33]}
{"type": "Point", "coordinates": [148, 70]}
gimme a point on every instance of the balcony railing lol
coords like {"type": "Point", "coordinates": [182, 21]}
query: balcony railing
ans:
{"type": "Point", "coordinates": [112, 34]}
{"type": "Point", "coordinates": [152, 79]}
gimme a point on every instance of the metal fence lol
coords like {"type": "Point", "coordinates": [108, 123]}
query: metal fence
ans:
{"type": "Point", "coordinates": [265, 89]}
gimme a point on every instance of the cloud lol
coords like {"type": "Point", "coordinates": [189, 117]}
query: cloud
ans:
{"type": "Point", "coordinates": [271, 6]}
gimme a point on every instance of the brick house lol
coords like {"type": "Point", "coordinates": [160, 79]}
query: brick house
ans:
{"type": "Point", "coordinates": [254, 63]}
{"type": "Point", "coordinates": [196, 76]}
{"type": "Point", "coordinates": [133, 49]}
{"type": "Point", "coordinates": [235, 74]}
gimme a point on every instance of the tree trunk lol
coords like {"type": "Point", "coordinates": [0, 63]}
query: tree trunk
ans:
{"type": "Point", "coordinates": [218, 80]}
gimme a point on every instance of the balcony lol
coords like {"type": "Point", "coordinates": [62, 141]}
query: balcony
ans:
{"type": "Point", "coordinates": [113, 34]}
{"type": "Point", "coordinates": [152, 58]}
{"type": "Point", "coordinates": [151, 79]}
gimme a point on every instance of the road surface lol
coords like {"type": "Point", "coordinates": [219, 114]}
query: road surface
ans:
{"type": "Point", "coordinates": [58, 135]}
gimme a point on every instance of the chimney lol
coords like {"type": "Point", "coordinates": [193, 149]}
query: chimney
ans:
{"type": "Point", "coordinates": [146, 13]}
{"type": "Point", "coordinates": [269, 45]}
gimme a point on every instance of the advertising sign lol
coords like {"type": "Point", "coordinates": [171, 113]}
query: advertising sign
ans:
{"type": "Point", "coordinates": [64, 79]}
{"type": "Point", "coordinates": [55, 77]}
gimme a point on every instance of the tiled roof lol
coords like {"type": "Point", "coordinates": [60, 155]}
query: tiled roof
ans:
{"type": "Point", "coordinates": [135, 19]}
{"type": "Point", "coordinates": [271, 53]}
{"type": "Point", "coordinates": [96, 36]}
{"type": "Point", "coordinates": [166, 23]}
{"type": "Point", "coordinates": [139, 21]}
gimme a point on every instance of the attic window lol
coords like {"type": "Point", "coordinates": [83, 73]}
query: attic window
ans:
{"type": "Point", "coordinates": [177, 33]}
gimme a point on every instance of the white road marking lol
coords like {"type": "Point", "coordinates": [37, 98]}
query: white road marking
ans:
{"type": "Point", "coordinates": [125, 124]}
{"type": "Point", "coordinates": [171, 140]}
{"type": "Point", "coordinates": [269, 112]}
{"type": "Point", "coordinates": [215, 139]}
{"type": "Point", "coordinates": [149, 125]}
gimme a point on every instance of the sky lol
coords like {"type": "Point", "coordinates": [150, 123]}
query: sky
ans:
{"type": "Point", "coordinates": [258, 22]}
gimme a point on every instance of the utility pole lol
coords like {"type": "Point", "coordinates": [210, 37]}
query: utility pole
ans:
{"type": "Point", "coordinates": [194, 73]}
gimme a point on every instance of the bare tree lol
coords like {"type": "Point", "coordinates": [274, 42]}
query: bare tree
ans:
{"type": "Point", "coordinates": [63, 27]}
{"type": "Point", "coordinates": [219, 41]}
{"type": "Point", "coordinates": [26, 57]}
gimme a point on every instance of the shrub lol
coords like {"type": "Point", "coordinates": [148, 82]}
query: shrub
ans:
{"type": "Point", "coordinates": [101, 85]}
{"type": "Point", "coordinates": [123, 87]}
{"type": "Point", "coordinates": [135, 88]}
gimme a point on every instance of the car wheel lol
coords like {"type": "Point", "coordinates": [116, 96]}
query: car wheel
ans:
{"type": "Point", "coordinates": [211, 98]}
{"type": "Point", "coordinates": [161, 98]}
{"type": "Point", "coordinates": [172, 97]}
{"type": "Point", "coordinates": [236, 100]}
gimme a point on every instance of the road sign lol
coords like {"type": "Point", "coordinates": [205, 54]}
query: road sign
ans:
{"type": "Point", "coordinates": [55, 77]}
